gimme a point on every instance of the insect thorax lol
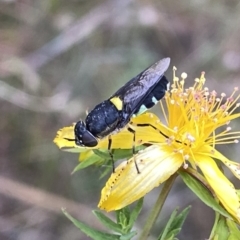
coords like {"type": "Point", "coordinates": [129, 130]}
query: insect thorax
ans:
{"type": "Point", "coordinates": [103, 119]}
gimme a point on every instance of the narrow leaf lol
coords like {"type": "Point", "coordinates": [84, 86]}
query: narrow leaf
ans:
{"type": "Point", "coordinates": [168, 225]}
{"type": "Point", "coordinates": [128, 236]}
{"type": "Point", "coordinates": [108, 222]}
{"type": "Point", "coordinates": [180, 219]}
{"type": "Point", "coordinates": [221, 231]}
{"type": "Point", "coordinates": [93, 159]}
{"type": "Point", "coordinates": [203, 193]}
{"type": "Point", "coordinates": [232, 226]}
{"type": "Point", "coordinates": [177, 223]}
{"type": "Point", "coordinates": [123, 216]}
{"type": "Point", "coordinates": [104, 154]}
{"type": "Point", "coordinates": [135, 212]}
{"type": "Point", "coordinates": [106, 171]}
{"type": "Point", "coordinates": [90, 232]}
{"type": "Point", "coordinates": [173, 233]}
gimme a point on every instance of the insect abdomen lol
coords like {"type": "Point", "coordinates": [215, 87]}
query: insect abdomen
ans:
{"type": "Point", "coordinates": [153, 97]}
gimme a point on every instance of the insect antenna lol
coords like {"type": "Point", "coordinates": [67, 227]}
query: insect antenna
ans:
{"type": "Point", "coordinates": [70, 139]}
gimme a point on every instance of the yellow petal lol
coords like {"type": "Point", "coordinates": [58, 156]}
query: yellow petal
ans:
{"type": "Point", "coordinates": [60, 139]}
{"type": "Point", "coordinates": [223, 188]}
{"type": "Point", "coordinates": [156, 164]}
{"type": "Point", "coordinates": [234, 167]}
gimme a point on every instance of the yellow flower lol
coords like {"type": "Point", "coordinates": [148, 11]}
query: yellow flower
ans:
{"type": "Point", "coordinates": [188, 138]}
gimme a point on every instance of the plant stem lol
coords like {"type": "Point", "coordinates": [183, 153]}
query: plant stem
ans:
{"type": "Point", "coordinates": [157, 207]}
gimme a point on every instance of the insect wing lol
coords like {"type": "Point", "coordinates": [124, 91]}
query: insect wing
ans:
{"type": "Point", "coordinates": [137, 89]}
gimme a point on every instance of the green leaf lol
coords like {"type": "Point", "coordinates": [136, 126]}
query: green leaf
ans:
{"type": "Point", "coordinates": [118, 217]}
{"type": "Point", "coordinates": [168, 225]}
{"type": "Point", "coordinates": [90, 232]}
{"type": "Point", "coordinates": [106, 171]}
{"type": "Point", "coordinates": [173, 233]}
{"type": "Point", "coordinates": [180, 219]}
{"type": "Point", "coordinates": [221, 230]}
{"type": "Point", "coordinates": [117, 153]}
{"type": "Point", "coordinates": [125, 153]}
{"type": "Point", "coordinates": [122, 153]}
{"type": "Point", "coordinates": [93, 159]}
{"type": "Point", "coordinates": [174, 224]}
{"type": "Point", "coordinates": [135, 212]}
{"type": "Point", "coordinates": [234, 231]}
{"type": "Point", "coordinates": [170, 238]}
{"type": "Point", "coordinates": [108, 222]}
{"type": "Point", "coordinates": [128, 236]}
{"type": "Point", "coordinates": [104, 154]}
{"type": "Point", "coordinates": [123, 216]}
{"type": "Point", "coordinates": [203, 193]}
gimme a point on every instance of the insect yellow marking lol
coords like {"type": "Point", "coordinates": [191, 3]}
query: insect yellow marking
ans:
{"type": "Point", "coordinates": [117, 102]}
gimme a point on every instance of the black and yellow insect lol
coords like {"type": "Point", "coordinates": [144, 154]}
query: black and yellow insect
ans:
{"type": "Point", "coordinates": [135, 97]}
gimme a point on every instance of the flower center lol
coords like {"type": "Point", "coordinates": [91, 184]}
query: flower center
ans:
{"type": "Point", "coordinates": [192, 116]}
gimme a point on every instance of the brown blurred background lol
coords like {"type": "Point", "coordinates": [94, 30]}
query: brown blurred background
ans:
{"type": "Point", "coordinates": [59, 58]}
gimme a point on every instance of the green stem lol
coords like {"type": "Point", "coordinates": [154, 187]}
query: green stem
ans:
{"type": "Point", "coordinates": [157, 207]}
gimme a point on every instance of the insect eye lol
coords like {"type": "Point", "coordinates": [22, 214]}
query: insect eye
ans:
{"type": "Point", "coordinates": [83, 137]}
{"type": "Point", "coordinates": [89, 140]}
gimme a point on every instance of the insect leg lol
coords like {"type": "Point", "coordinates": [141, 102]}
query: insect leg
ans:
{"type": "Point", "coordinates": [133, 147]}
{"type": "Point", "coordinates": [110, 152]}
{"type": "Point", "coordinates": [150, 125]}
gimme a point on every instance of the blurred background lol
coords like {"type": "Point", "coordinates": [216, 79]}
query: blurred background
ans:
{"type": "Point", "coordinates": [60, 58]}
